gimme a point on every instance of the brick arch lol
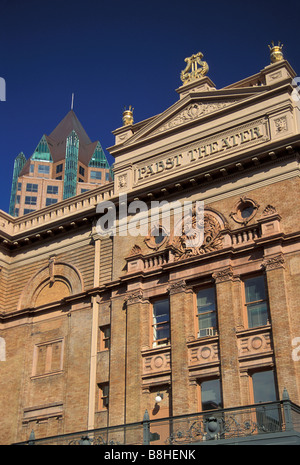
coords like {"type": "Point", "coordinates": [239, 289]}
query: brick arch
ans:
{"type": "Point", "coordinates": [54, 281]}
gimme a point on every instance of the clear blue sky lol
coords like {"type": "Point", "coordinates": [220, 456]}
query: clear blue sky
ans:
{"type": "Point", "coordinates": [116, 53]}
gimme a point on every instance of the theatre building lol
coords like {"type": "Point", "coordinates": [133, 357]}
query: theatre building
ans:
{"type": "Point", "coordinates": [157, 338]}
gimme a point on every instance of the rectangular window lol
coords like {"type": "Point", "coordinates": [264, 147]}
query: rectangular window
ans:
{"type": "Point", "coordinates": [210, 395]}
{"type": "Point", "coordinates": [31, 169]}
{"type": "Point", "coordinates": [103, 396]}
{"type": "Point", "coordinates": [96, 174]}
{"type": "Point", "coordinates": [44, 169]}
{"type": "Point", "coordinates": [83, 190]}
{"type": "Point", "coordinates": [31, 187]}
{"type": "Point", "coordinates": [27, 210]}
{"type": "Point", "coordinates": [19, 186]}
{"type": "Point", "coordinates": [264, 390]}
{"type": "Point", "coordinates": [52, 189]}
{"type": "Point", "coordinates": [50, 201]}
{"type": "Point", "coordinates": [59, 168]}
{"type": "Point", "coordinates": [16, 212]}
{"type": "Point", "coordinates": [81, 170]}
{"type": "Point", "coordinates": [161, 322]}
{"type": "Point", "coordinates": [256, 301]}
{"type": "Point", "coordinates": [263, 386]}
{"type": "Point", "coordinates": [206, 312]}
{"type": "Point", "coordinates": [58, 177]}
{"type": "Point", "coordinates": [106, 176]}
{"type": "Point", "coordinates": [104, 337]}
{"type": "Point", "coordinates": [17, 199]}
{"type": "Point", "coordinates": [30, 200]}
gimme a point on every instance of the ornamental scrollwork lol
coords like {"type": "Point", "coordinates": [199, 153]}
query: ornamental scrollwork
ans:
{"type": "Point", "coordinates": [134, 297]}
{"type": "Point", "coordinates": [191, 72]}
{"type": "Point", "coordinates": [188, 245]}
{"type": "Point", "coordinates": [269, 210]}
{"type": "Point", "coordinates": [273, 263]}
{"type": "Point", "coordinates": [178, 286]}
{"type": "Point", "coordinates": [223, 275]}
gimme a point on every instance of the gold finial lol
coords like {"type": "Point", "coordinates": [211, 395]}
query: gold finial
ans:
{"type": "Point", "coordinates": [191, 71]}
{"type": "Point", "coordinates": [276, 52]}
{"type": "Point", "coordinates": [128, 116]}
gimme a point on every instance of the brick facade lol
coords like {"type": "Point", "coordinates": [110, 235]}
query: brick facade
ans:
{"type": "Point", "coordinates": [77, 310]}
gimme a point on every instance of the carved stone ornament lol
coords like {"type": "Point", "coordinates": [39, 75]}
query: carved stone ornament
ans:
{"type": "Point", "coordinates": [269, 210]}
{"type": "Point", "coordinates": [134, 297]}
{"type": "Point", "coordinates": [193, 111]}
{"type": "Point", "coordinates": [122, 181]}
{"type": "Point", "coordinates": [185, 245]}
{"type": "Point", "coordinates": [179, 286]}
{"type": "Point", "coordinates": [223, 275]}
{"type": "Point", "coordinates": [136, 250]}
{"type": "Point", "coordinates": [281, 124]}
{"type": "Point", "coordinates": [273, 263]}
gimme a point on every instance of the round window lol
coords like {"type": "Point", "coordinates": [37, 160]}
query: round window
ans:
{"type": "Point", "coordinates": [159, 235]}
{"type": "Point", "coordinates": [246, 210]}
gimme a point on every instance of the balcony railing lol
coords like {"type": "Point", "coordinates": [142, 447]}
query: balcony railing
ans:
{"type": "Point", "coordinates": [225, 425]}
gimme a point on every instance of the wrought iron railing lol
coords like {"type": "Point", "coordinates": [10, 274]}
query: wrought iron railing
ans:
{"type": "Point", "coordinates": [214, 425]}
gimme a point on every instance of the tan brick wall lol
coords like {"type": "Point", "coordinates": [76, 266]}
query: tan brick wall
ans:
{"type": "Point", "coordinates": [63, 396]}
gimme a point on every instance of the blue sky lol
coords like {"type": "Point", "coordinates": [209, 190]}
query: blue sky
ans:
{"type": "Point", "coordinates": [114, 53]}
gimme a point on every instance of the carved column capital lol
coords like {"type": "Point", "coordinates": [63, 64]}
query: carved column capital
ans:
{"type": "Point", "coordinates": [223, 275]}
{"type": "Point", "coordinates": [134, 297]}
{"type": "Point", "coordinates": [178, 286]}
{"type": "Point", "coordinates": [273, 263]}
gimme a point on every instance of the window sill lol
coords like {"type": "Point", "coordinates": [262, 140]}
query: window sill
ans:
{"type": "Point", "coordinates": [45, 375]}
{"type": "Point", "coordinates": [256, 329]}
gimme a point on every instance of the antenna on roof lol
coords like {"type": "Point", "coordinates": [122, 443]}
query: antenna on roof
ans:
{"type": "Point", "coordinates": [72, 102]}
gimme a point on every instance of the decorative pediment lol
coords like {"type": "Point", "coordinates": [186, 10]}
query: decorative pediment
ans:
{"type": "Point", "coordinates": [192, 112]}
{"type": "Point", "coordinates": [188, 110]}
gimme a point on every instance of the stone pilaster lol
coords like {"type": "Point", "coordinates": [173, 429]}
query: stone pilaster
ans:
{"type": "Point", "coordinates": [181, 301]}
{"type": "Point", "coordinates": [230, 375]}
{"type": "Point", "coordinates": [117, 362]}
{"type": "Point", "coordinates": [136, 309]}
{"type": "Point", "coordinates": [274, 267]}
